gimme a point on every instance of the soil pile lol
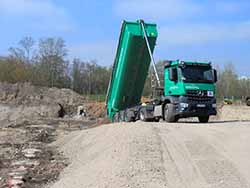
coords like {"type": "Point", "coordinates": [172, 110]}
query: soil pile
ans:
{"type": "Point", "coordinates": [27, 94]}
{"type": "Point", "coordinates": [25, 101]}
{"type": "Point", "coordinates": [96, 109]}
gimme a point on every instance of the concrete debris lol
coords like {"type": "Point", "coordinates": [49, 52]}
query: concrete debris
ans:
{"type": "Point", "coordinates": [31, 152]}
{"type": "Point", "coordinates": [81, 111]}
{"type": "Point", "coordinates": [27, 160]}
{"type": "Point", "coordinates": [20, 171]}
{"type": "Point", "coordinates": [15, 183]}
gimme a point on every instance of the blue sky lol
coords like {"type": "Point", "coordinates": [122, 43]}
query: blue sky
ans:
{"type": "Point", "coordinates": [211, 30]}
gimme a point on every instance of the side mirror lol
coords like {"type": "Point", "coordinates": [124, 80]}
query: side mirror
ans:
{"type": "Point", "coordinates": [215, 76]}
{"type": "Point", "coordinates": [173, 75]}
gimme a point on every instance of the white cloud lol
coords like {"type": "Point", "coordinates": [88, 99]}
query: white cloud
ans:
{"type": "Point", "coordinates": [189, 34]}
{"type": "Point", "coordinates": [160, 9]}
{"type": "Point", "coordinates": [102, 51]}
{"type": "Point", "coordinates": [41, 14]}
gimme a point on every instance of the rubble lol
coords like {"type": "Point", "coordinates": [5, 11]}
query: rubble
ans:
{"type": "Point", "coordinates": [28, 158]}
{"type": "Point", "coordinates": [29, 161]}
{"type": "Point", "coordinates": [31, 119]}
{"type": "Point", "coordinates": [31, 152]}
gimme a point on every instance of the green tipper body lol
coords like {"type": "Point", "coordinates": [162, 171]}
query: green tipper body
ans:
{"type": "Point", "coordinates": [130, 67]}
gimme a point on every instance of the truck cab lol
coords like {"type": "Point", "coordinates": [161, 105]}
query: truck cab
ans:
{"type": "Point", "coordinates": [189, 90]}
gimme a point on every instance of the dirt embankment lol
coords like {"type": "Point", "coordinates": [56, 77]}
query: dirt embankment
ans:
{"type": "Point", "coordinates": [146, 155]}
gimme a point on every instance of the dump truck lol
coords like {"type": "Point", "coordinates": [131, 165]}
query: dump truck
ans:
{"type": "Point", "coordinates": [188, 91]}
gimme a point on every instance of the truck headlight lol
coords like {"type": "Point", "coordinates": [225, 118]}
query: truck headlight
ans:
{"type": "Point", "coordinates": [184, 105]}
{"type": "Point", "coordinates": [210, 93]}
{"type": "Point", "coordinates": [214, 105]}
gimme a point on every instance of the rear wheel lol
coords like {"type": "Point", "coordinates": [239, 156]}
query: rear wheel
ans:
{"type": "Point", "coordinates": [169, 113]}
{"type": "Point", "coordinates": [116, 118]}
{"type": "Point", "coordinates": [120, 117]}
{"type": "Point", "coordinates": [127, 117]}
{"type": "Point", "coordinates": [203, 119]}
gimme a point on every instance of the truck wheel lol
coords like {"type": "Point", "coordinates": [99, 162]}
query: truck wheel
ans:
{"type": "Point", "coordinates": [120, 117]}
{"type": "Point", "coordinates": [127, 118]}
{"type": "Point", "coordinates": [203, 119]}
{"type": "Point", "coordinates": [142, 116]}
{"type": "Point", "coordinates": [156, 119]}
{"type": "Point", "coordinates": [248, 102]}
{"type": "Point", "coordinates": [169, 113]}
{"type": "Point", "coordinates": [116, 118]}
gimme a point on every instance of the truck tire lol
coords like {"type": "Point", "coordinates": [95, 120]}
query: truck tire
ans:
{"type": "Point", "coordinates": [169, 113]}
{"type": "Point", "coordinates": [156, 119]}
{"type": "Point", "coordinates": [116, 118]}
{"type": "Point", "coordinates": [142, 116]}
{"type": "Point", "coordinates": [248, 101]}
{"type": "Point", "coordinates": [127, 117]}
{"type": "Point", "coordinates": [120, 117]}
{"type": "Point", "coordinates": [203, 119]}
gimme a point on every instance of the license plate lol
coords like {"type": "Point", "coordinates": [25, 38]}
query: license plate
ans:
{"type": "Point", "coordinates": [201, 105]}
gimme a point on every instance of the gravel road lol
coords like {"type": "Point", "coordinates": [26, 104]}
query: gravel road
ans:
{"type": "Point", "coordinates": [158, 155]}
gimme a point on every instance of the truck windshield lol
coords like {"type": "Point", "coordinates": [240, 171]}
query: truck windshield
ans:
{"type": "Point", "coordinates": [197, 74]}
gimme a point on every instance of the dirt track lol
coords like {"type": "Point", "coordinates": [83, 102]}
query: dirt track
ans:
{"type": "Point", "coordinates": [156, 155]}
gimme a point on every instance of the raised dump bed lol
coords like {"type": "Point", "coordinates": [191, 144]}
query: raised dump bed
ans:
{"type": "Point", "coordinates": [130, 67]}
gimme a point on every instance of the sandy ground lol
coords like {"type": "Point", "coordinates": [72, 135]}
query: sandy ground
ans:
{"type": "Point", "coordinates": [157, 155]}
{"type": "Point", "coordinates": [234, 112]}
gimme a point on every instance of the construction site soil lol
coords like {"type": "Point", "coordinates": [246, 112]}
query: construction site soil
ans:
{"type": "Point", "coordinates": [30, 122]}
{"type": "Point", "coordinates": [157, 155]}
{"type": "Point", "coordinates": [40, 149]}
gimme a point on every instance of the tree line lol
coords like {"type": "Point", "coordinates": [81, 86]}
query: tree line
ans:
{"type": "Point", "coordinates": [230, 85]}
{"type": "Point", "coordinates": [45, 63]}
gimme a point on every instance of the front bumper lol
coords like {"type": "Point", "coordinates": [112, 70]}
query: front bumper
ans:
{"type": "Point", "coordinates": [191, 107]}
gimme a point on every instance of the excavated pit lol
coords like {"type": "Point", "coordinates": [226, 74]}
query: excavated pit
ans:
{"type": "Point", "coordinates": [31, 119]}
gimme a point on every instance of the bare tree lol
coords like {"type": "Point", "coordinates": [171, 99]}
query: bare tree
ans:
{"type": "Point", "coordinates": [27, 44]}
{"type": "Point", "coordinates": [52, 64]}
{"type": "Point", "coordinates": [24, 52]}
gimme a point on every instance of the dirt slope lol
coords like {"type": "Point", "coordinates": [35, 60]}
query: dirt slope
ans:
{"type": "Point", "coordinates": [156, 155]}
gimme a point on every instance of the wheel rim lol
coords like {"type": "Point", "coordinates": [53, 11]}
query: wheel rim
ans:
{"type": "Point", "coordinates": [142, 116]}
{"type": "Point", "coordinates": [166, 111]}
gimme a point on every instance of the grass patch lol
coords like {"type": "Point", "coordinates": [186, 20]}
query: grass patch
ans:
{"type": "Point", "coordinates": [96, 98]}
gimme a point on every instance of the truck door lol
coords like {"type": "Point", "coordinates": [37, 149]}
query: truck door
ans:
{"type": "Point", "coordinates": [171, 81]}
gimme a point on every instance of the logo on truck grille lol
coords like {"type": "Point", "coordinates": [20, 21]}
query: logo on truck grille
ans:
{"type": "Point", "coordinates": [201, 93]}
